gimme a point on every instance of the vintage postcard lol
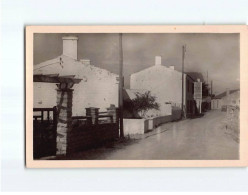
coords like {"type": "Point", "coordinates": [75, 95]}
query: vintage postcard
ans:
{"type": "Point", "coordinates": [136, 96]}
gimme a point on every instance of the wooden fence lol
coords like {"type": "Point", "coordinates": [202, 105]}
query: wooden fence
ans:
{"type": "Point", "coordinates": [44, 132]}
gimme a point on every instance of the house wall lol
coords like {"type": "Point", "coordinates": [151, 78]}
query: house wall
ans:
{"type": "Point", "coordinates": [189, 93]}
{"type": "Point", "coordinates": [135, 126]}
{"type": "Point", "coordinates": [45, 95]}
{"type": "Point", "coordinates": [232, 99]}
{"type": "Point", "coordinates": [216, 104]}
{"type": "Point", "coordinates": [98, 88]}
{"type": "Point", "coordinates": [165, 83]}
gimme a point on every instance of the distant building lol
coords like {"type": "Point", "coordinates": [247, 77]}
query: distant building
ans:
{"type": "Point", "coordinates": [98, 88]}
{"type": "Point", "coordinates": [227, 98]}
{"type": "Point", "coordinates": [166, 84]}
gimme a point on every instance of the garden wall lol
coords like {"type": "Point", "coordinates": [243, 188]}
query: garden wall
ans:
{"type": "Point", "coordinates": [155, 122]}
{"type": "Point", "coordinates": [176, 114]}
{"type": "Point", "coordinates": [141, 126]}
{"type": "Point", "coordinates": [135, 126]}
{"type": "Point", "coordinates": [91, 136]}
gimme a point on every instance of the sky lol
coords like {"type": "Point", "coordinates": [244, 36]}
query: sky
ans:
{"type": "Point", "coordinates": [215, 53]}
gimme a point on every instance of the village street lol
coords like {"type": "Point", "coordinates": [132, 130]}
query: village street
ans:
{"type": "Point", "coordinates": [191, 139]}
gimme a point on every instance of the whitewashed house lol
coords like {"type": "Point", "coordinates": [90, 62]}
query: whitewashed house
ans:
{"type": "Point", "coordinates": [98, 88]}
{"type": "Point", "coordinates": [164, 82]}
{"type": "Point", "coordinates": [227, 98]}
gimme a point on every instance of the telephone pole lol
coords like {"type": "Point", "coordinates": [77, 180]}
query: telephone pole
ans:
{"type": "Point", "coordinates": [211, 88]}
{"type": "Point", "coordinates": [184, 50]}
{"type": "Point", "coordinates": [207, 77]}
{"type": "Point", "coordinates": [121, 86]}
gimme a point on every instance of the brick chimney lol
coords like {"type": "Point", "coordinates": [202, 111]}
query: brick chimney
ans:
{"type": "Point", "coordinates": [70, 46]}
{"type": "Point", "coordinates": [158, 60]}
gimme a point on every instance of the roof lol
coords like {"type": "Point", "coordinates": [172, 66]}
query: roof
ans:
{"type": "Point", "coordinates": [64, 66]}
{"type": "Point", "coordinates": [195, 75]}
{"type": "Point", "coordinates": [157, 67]}
{"type": "Point", "coordinates": [224, 94]}
{"type": "Point", "coordinates": [131, 93]}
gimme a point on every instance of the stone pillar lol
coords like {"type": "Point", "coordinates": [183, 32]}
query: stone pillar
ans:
{"type": "Point", "coordinates": [64, 125]}
{"type": "Point", "coordinates": [198, 104]}
{"type": "Point", "coordinates": [93, 113]}
{"type": "Point", "coordinates": [112, 110]}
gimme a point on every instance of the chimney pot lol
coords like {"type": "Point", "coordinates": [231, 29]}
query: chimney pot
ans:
{"type": "Point", "coordinates": [70, 46]}
{"type": "Point", "coordinates": [158, 60]}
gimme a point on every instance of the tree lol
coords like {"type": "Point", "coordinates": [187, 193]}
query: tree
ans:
{"type": "Point", "coordinates": [141, 103]}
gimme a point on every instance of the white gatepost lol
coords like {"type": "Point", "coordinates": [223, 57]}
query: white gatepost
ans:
{"type": "Point", "coordinates": [198, 94]}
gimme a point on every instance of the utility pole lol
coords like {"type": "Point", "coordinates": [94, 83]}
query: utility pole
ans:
{"type": "Point", "coordinates": [207, 77]}
{"type": "Point", "coordinates": [184, 50]}
{"type": "Point", "coordinates": [211, 88]}
{"type": "Point", "coordinates": [207, 84]}
{"type": "Point", "coordinates": [121, 86]}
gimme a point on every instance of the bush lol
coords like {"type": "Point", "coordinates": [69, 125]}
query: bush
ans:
{"type": "Point", "coordinates": [141, 104]}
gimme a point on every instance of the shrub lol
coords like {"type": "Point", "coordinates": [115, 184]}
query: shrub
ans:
{"type": "Point", "coordinates": [141, 104]}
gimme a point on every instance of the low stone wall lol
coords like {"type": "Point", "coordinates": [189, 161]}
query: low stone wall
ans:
{"type": "Point", "coordinates": [135, 126]}
{"type": "Point", "coordinates": [176, 114]}
{"type": "Point", "coordinates": [155, 122]}
{"type": "Point", "coordinates": [90, 136]}
{"type": "Point", "coordinates": [141, 126]}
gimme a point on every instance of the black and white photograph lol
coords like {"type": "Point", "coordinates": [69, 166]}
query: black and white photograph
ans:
{"type": "Point", "coordinates": [136, 96]}
{"type": "Point", "coordinates": [124, 96]}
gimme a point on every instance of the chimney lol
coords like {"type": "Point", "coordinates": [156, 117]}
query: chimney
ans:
{"type": "Point", "coordinates": [158, 60]}
{"type": "Point", "coordinates": [172, 67]}
{"type": "Point", "coordinates": [70, 46]}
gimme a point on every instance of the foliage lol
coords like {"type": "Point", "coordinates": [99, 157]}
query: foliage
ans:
{"type": "Point", "coordinates": [141, 103]}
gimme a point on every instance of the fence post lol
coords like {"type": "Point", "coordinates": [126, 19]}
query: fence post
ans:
{"type": "Point", "coordinates": [55, 116]}
{"type": "Point", "coordinates": [93, 113]}
{"type": "Point", "coordinates": [112, 110]}
{"type": "Point", "coordinates": [42, 115]}
{"type": "Point", "coordinates": [64, 125]}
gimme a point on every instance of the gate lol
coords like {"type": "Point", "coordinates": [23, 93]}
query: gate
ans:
{"type": "Point", "coordinates": [44, 132]}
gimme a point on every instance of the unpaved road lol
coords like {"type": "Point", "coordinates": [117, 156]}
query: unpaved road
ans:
{"type": "Point", "coordinates": [190, 139]}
